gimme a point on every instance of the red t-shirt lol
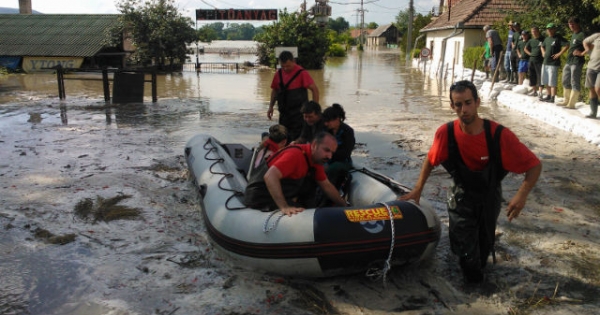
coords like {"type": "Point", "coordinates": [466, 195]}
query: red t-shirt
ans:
{"type": "Point", "coordinates": [292, 163]}
{"type": "Point", "coordinates": [516, 157]}
{"type": "Point", "coordinates": [303, 80]}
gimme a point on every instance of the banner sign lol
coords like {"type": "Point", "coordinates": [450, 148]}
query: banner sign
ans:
{"type": "Point", "coordinates": [34, 64]}
{"type": "Point", "coordinates": [237, 14]}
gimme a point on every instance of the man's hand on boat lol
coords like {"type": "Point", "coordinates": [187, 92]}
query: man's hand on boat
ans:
{"type": "Point", "coordinates": [291, 210]}
{"type": "Point", "coordinates": [414, 195]}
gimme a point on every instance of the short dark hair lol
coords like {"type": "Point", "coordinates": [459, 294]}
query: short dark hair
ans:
{"type": "Point", "coordinates": [334, 111]}
{"type": "Point", "coordinates": [574, 19]}
{"type": "Point", "coordinates": [461, 86]}
{"type": "Point", "coordinates": [321, 135]}
{"type": "Point", "coordinates": [310, 107]}
{"type": "Point", "coordinates": [286, 55]}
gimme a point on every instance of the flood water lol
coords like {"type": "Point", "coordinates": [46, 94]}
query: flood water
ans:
{"type": "Point", "coordinates": [365, 84]}
{"type": "Point", "coordinates": [393, 109]}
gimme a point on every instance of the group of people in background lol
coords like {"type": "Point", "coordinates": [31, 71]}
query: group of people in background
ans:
{"type": "Point", "coordinates": [529, 53]}
{"type": "Point", "coordinates": [308, 167]}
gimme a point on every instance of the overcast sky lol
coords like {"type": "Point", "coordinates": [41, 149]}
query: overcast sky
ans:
{"type": "Point", "coordinates": [378, 11]}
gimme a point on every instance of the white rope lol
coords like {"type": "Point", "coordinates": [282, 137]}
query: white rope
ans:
{"type": "Point", "coordinates": [376, 273]}
{"type": "Point", "coordinates": [266, 227]}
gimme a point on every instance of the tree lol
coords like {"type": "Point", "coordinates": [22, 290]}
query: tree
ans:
{"type": "Point", "coordinates": [419, 22]}
{"type": "Point", "coordinates": [218, 27]}
{"type": "Point", "coordinates": [158, 31]}
{"type": "Point", "coordinates": [339, 25]}
{"type": "Point", "coordinates": [294, 29]}
{"type": "Point", "coordinates": [207, 34]}
{"type": "Point", "coordinates": [372, 25]}
{"type": "Point", "coordinates": [246, 31]}
{"type": "Point", "coordinates": [542, 12]}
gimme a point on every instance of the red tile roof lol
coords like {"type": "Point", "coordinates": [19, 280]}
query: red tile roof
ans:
{"type": "Point", "coordinates": [474, 13]}
{"type": "Point", "coordinates": [356, 32]}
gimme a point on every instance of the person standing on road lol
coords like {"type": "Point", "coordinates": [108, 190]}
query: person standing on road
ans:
{"type": "Point", "coordinates": [477, 153]}
{"type": "Point", "coordinates": [571, 77]}
{"type": "Point", "coordinates": [591, 45]}
{"type": "Point", "coordinates": [486, 56]}
{"type": "Point", "coordinates": [523, 65]}
{"type": "Point", "coordinates": [495, 43]}
{"type": "Point", "coordinates": [507, 55]}
{"type": "Point", "coordinates": [289, 88]}
{"type": "Point", "coordinates": [553, 47]}
{"type": "Point", "coordinates": [514, 58]}
{"type": "Point", "coordinates": [533, 49]}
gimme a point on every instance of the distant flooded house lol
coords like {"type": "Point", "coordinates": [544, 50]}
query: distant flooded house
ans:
{"type": "Point", "coordinates": [36, 42]}
{"type": "Point", "coordinates": [460, 26]}
{"type": "Point", "coordinates": [356, 34]}
{"type": "Point", "coordinates": [384, 35]}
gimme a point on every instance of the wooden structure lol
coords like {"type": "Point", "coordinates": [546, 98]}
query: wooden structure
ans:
{"type": "Point", "coordinates": [43, 41]}
{"type": "Point", "coordinates": [60, 78]}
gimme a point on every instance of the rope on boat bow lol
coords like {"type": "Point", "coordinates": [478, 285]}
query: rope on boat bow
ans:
{"type": "Point", "coordinates": [376, 273]}
{"type": "Point", "coordinates": [236, 193]}
{"type": "Point", "coordinates": [266, 227]}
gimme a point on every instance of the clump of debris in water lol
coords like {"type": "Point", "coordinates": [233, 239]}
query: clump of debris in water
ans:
{"type": "Point", "coordinates": [105, 209]}
{"type": "Point", "coordinates": [102, 210]}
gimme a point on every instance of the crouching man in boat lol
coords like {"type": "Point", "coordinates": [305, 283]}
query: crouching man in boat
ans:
{"type": "Point", "coordinates": [478, 154]}
{"type": "Point", "coordinates": [288, 179]}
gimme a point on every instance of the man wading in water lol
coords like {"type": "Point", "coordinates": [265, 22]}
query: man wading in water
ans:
{"type": "Point", "coordinates": [477, 153]}
{"type": "Point", "coordinates": [289, 88]}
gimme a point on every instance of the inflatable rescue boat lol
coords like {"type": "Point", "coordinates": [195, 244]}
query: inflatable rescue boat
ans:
{"type": "Point", "coordinates": [375, 232]}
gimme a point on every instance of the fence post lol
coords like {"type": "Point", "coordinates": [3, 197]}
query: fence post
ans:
{"type": "Point", "coordinates": [105, 85]}
{"type": "Point", "coordinates": [61, 82]}
{"type": "Point", "coordinates": [154, 97]}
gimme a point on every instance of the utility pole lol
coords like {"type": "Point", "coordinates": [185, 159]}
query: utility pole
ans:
{"type": "Point", "coordinates": [362, 25]}
{"type": "Point", "coordinates": [409, 35]}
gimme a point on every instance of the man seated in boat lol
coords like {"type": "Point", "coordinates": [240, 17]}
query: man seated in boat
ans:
{"type": "Point", "coordinates": [288, 178]}
{"type": "Point", "coordinates": [275, 140]}
{"type": "Point", "coordinates": [312, 122]}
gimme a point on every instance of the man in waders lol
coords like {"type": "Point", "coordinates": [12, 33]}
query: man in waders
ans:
{"type": "Point", "coordinates": [288, 179]}
{"type": "Point", "coordinates": [477, 153]}
{"type": "Point", "coordinates": [289, 88]}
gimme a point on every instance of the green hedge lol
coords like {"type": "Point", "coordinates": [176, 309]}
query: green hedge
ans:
{"type": "Point", "coordinates": [336, 50]}
{"type": "Point", "coordinates": [471, 54]}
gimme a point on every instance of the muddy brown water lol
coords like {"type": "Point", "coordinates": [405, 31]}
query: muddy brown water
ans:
{"type": "Point", "coordinates": [55, 153]}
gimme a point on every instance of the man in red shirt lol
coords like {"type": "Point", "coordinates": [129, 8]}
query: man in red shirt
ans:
{"type": "Point", "coordinates": [477, 162]}
{"type": "Point", "coordinates": [289, 88]}
{"type": "Point", "coordinates": [287, 180]}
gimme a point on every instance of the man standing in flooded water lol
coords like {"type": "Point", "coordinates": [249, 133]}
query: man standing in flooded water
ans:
{"type": "Point", "coordinates": [289, 88]}
{"type": "Point", "coordinates": [477, 153]}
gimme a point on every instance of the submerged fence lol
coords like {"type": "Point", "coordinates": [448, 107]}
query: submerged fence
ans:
{"type": "Point", "coordinates": [220, 67]}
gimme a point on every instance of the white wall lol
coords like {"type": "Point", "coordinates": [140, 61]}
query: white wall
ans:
{"type": "Point", "coordinates": [455, 47]}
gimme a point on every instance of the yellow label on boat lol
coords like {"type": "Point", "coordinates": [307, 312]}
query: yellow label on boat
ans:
{"type": "Point", "coordinates": [372, 214]}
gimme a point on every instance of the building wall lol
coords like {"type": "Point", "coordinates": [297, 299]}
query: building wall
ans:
{"type": "Point", "coordinates": [455, 46]}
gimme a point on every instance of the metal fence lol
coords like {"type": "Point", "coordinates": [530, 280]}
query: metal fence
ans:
{"type": "Point", "coordinates": [219, 67]}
